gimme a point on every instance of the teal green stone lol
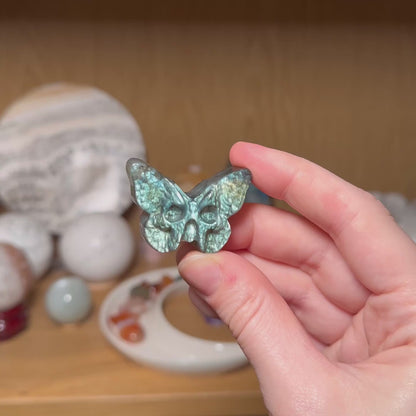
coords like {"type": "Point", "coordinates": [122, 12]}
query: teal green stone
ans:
{"type": "Point", "coordinates": [141, 291]}
{"type": "Point", "coordinates": [68, 300]}
{"type": "Point", "coordinates": [199, 216]}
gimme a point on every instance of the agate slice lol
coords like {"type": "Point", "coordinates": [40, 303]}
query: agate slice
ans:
{"type": "Point", "coordinates": [62, 154]}
{"type": "Point", "coordinates": [199, 216]}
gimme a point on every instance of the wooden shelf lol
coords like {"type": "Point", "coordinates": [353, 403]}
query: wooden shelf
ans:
{"type": "Point", "coordinates": [72, 370]}
{"type": "Point", "coordinates": [338, 92]}
{"type": "Point", "coordinates": [331, 81]}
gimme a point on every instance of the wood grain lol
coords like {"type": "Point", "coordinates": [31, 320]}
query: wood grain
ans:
{"type": "Point", "coordinates": [332, 81]}
{"type": "Point", "coordinates": [50, 369]}
{"type": "Point", "coordinates": [340, 93]}
{"type": "Point", "coordinates": [178, 308]}
{"type": "Point", "coordinates": [304, 11]}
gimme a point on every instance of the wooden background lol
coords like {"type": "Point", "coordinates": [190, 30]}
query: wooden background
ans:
{"type": "Point", "coordinates": [333, 81]}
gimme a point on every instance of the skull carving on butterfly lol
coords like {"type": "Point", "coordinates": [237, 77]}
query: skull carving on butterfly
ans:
{"type": "Point", "coordinates": [199, 216]}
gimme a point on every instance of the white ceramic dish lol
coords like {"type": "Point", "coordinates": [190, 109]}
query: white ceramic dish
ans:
{"type": "Point", "coordinates": [164, 346]}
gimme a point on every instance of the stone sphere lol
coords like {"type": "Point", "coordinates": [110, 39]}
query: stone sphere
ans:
{"type": "Point", "coordinates": [407, 220]}
{"type": "Point", "coordinates": [97, 247]}
{"type": "Point", "coordinates": [63, 150]}
{"type": "Point", "coordinates": [68, 300]}
{"type": "Point", "coordinates": [16, 276]}
{"type": "Point", "coordinates": [28, 235]}
{"type": "Point", "coordinates": [396, 203]}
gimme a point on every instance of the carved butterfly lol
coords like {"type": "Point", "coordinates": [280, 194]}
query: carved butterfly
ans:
{"type": "Point", "coordinates": [200, 215]}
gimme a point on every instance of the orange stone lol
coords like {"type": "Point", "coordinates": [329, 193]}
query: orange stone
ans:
{"type": "Point", "coordinates": [132, 333]}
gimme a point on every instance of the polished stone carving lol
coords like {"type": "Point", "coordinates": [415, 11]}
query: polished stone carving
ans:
{"type": "Point", "coordinates": [199, 216]}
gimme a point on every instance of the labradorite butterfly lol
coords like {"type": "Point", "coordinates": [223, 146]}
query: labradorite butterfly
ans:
{"type": "Point", "coordinates": [200, 215]}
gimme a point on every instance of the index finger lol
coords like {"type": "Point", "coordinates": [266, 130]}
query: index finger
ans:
{"type": "Point", "coordinates": [376, 249]}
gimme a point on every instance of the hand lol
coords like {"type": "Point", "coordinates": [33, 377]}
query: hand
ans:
{"type": "Point", "coordinates": [323, 303]}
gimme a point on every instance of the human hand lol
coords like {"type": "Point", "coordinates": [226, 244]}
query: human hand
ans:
{"type": "Point", "coordinates": [323, 304]}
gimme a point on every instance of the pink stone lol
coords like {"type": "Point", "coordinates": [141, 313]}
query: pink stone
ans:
{"type": "Point", "coordinates": [16, 279]}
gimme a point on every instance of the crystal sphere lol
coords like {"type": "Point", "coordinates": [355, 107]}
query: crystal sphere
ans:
{"type": "Point", "coordinates": [68, 300]}
{"type": "Point", "coordinates": [16, 277]}
{"type": "Point", "coordinates": [97, 247]}
{"type": "Point", "coordinates": [396, 203]}
{"type": "Point", "coordinates": [408, 220]}
{"type": "Point", "coordinates": [28, 235]}
{"type": "Point", "coordinates": [63, 149]}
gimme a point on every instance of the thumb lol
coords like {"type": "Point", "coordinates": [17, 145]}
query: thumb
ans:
{"type": "Point", "coordinates": [283, 355]}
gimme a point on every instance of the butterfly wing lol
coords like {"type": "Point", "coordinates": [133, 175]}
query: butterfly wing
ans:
{"type": "Point", "coordinates": [163, 202]}
{"type": "Point", "coordinates": [232, 190]}
{"type": "Point", "coordinates": [218, 199]}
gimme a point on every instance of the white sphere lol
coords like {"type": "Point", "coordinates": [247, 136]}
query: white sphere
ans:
{"type": "Point", "coordinates": [396, 203]}
{"type": "Point", "coordinates": [16, 276]}
{"type": "Point", "coordinates": [28, 235]}
{"type": "Point", "coordinates": [97, 247]}
{"type": "Point", "coordinates": [407, 220]}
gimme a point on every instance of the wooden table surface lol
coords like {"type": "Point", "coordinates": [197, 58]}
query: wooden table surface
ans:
{"type": "Point", "coordinates": [73, 370]}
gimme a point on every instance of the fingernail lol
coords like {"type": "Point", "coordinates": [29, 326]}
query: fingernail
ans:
{"type": "Point", "coordinates": [203, 307]}
{"type": "Point", "coordinates": [202, 272]}
{"type": "Point", "coordinates": [213, 321]}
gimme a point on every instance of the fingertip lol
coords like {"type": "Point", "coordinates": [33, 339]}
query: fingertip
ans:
{"type": "Point", "coordinates": [189, 259]}
{"type": "Point", "coordinates": [202, 271]}
{"type": "Point", "coordinates": [238, 150]}
{"type": "Point", "coordinates": [183, 250]}
{"type": "Point", "coordinates": [238, 144]}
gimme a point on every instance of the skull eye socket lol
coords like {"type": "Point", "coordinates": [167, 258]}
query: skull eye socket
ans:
{"type": "Point", "coordinates": [209, 214]}
{"type": "Point", "coordinates": [174, 213]}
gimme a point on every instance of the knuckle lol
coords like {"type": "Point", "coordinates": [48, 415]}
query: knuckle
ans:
{"type": "Point", "coordinates": [245, 313]}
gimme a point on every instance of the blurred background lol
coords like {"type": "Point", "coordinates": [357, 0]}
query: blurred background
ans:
{"type": "Point", "coordinates": [329, 80]}
{"type": "Point", "coordinates": [332, 81]}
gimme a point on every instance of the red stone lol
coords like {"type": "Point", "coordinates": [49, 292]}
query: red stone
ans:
{"type": "Point", "coordinates": [166, 281]}
{"type": "Point", "coordinates": [13, 321]}
{"type": "Point", "coordinates": [132, 333]}
{"type": "Point", "coordinates": [115, 319]}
